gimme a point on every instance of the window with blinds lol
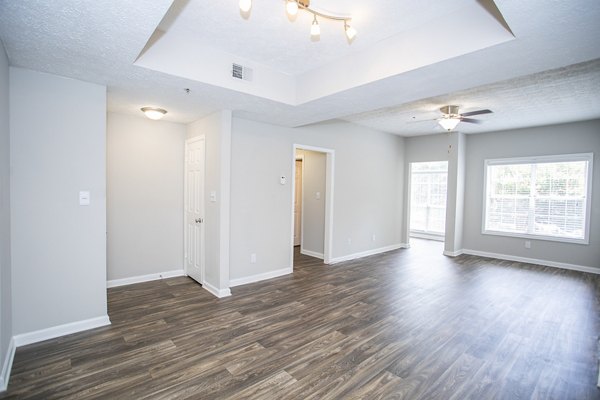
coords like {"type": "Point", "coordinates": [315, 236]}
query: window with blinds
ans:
{"type": "Point", "coordinates": [539, 197]}
{"type": "Point", "coordinates": [428, 197]}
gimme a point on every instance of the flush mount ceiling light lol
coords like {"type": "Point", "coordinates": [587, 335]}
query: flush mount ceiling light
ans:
{"type": "Point", "coordinates": [292, 6]}
{"type": "Point", "coordinates": [153, 112]}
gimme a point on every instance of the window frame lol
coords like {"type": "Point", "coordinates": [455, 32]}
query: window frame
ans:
{"type": "Point", "coordinates": [589, 157]}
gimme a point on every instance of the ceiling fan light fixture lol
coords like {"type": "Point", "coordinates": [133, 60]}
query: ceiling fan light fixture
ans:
{"type": "Point", "coordinates": [153, 112]}
{"type": "Point", "coordinates": [245, 5]}
{"type": "Point", "coordinates": [292, 8]}
{"type": "Point", "coordinates": [449, 123]}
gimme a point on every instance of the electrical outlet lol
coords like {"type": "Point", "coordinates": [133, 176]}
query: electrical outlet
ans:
{"type": "Point", "coordinates": [528, 244]}
{"type": "Point", "coordinates": [253, 258]}
{"type": "Point", "coordinates": [373, 237]}
{"type": "Point", "coordinates": [349, 240]}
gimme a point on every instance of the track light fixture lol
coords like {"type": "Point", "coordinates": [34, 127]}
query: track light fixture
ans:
{"type": "Point", "coordinates": [292, 7]}
{"type": "Point", "coordinates": [245, 5]}
{"type": "Point", "coordinates": [350, 31]}
{"type": "Point", "coordinates": [315, 29]}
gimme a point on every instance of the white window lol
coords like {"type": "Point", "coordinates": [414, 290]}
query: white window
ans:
{"type": "Point", "coordinates": [428, 198]}
{"type": "Point", "coordinates": [539, 197]}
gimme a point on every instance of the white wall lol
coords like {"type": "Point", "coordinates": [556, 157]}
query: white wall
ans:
{"type": "Point", "coordinates": [456, 194]}
{"type": "Point", "coordinates": [58, 147]}
{"type": "Point", "coordinates": [580, 137]}
{"type": "Point", "coordinates": [5, 263]}
{"type": "Point", "coordinates": [313, 209]}
{"type": "Point", "coordinates": [367, 191]}
{"type": "Point", "coordinates": [145, 164]}
{"type": "Point", "coordinates": [217, 131]}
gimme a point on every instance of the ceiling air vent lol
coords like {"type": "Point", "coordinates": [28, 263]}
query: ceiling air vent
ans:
{"type": "Point", "coordinates": [241, 72]}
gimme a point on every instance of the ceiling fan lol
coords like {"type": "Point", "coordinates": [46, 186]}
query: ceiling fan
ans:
{"type": "Point", "coordinates": [451, 117]}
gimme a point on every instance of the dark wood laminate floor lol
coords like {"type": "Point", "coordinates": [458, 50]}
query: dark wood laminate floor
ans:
{"type": "Point", "coordinates": [408, 324]}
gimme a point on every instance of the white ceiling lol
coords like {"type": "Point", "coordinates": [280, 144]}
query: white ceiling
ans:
{"type": "Point", "coordinates": [269, 37]}
{"type": "Point", "coordinates": [100, 41]}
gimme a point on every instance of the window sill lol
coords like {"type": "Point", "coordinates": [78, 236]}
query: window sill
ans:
{"type": "Point", "coordinates": [585, 241]}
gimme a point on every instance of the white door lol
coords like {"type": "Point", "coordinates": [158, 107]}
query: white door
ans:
{"type": "Point", "coordinates": [298, 204]}
{"type": "Point", "coordinates": [194, 209]}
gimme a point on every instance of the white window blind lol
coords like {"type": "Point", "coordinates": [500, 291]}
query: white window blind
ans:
{"type": "Point", "coordinates": [428, 197]}
{"type": "Point", "coordinates": [541, 197]}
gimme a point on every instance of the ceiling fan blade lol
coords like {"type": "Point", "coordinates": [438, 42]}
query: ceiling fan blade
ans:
{"type": "Point", "coordinates": [478, 112]}
{"type": "Point", "coordinates": [471, 120]}
{"type": "Point", "coordinates": [414, 121]}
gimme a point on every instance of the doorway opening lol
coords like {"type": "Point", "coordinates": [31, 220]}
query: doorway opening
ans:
{"type": "Point", "coordinates": [312, 202]}
{"type": "Point", "coordinates": [428, 193]}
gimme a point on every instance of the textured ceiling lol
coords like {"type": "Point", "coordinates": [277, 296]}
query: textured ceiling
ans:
{"type": "Point", "coordinates": [561, 95]}
{"type": "Point", "coordinates": [99, 41]}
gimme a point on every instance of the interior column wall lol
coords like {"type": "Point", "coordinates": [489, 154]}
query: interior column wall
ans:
{"type": "Point", "coordinates": [5, 256]}
{"type": "Point", "coordinates": [58, 247]}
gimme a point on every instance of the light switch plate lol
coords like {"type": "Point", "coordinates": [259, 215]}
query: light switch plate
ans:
{"type": "Point", "coordinates": [84, 198]}
{"type": "Point", "coordinates": [213, 196]}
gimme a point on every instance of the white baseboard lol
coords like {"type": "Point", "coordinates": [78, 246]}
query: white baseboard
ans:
{"type": "Point", "coordinates": [7, 365]}
{"type": "Point", "coordinates": [312, 253]}
{"type": "Point", "coordinates": [368, 253]}
{"type": "Point", "coordinates": [220, 293]}
{"type": "Point", "coordinates": [453, 253]}
{"type": "Point", "coordinates": [144, 278]}
{"type": "Point", "coordinates": [260, 277]}
{"type": "Point", "coordinates": [555, 264]}
{"type": "Point", "coordinates": [61, 330]}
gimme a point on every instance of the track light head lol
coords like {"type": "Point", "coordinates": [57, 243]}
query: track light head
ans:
{"type": "Point", "coordinates": [292, 8]}
{"type": "Point", "coordinates": [350, 31]}
{"type": "Point", "coordinates": [245, 5]}
{"type": "Point", "coordinates": [315, 29]}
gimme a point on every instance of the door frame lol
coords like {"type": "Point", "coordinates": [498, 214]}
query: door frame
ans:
{"type": "Point", "coordinates": [329, 192]}
{"type": "Point", "coordinates": [188, 142]}
{"type": "Point", "coordinates": [408, 199]}
{"type": "Point", "coordinates": [299, 158]}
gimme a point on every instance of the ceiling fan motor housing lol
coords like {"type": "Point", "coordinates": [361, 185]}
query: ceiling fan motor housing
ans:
{"type": "Point", "coordinates": [449, 110]}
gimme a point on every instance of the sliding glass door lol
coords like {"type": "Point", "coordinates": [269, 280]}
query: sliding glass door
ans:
{"type": "Point", "coordinates": [428, 183]}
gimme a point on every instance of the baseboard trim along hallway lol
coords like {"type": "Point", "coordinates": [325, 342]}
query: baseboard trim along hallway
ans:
{"type": "Point", "coordinates": [260, 277]}
{"type": "Point", "coordinates": [24, 339]}
{"type": "Point", "coordinates": [7, 367]}
{"type": "Point", "coordinates": [367, 253]}
{"type": "Point", "coordinates": [144, 278]}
